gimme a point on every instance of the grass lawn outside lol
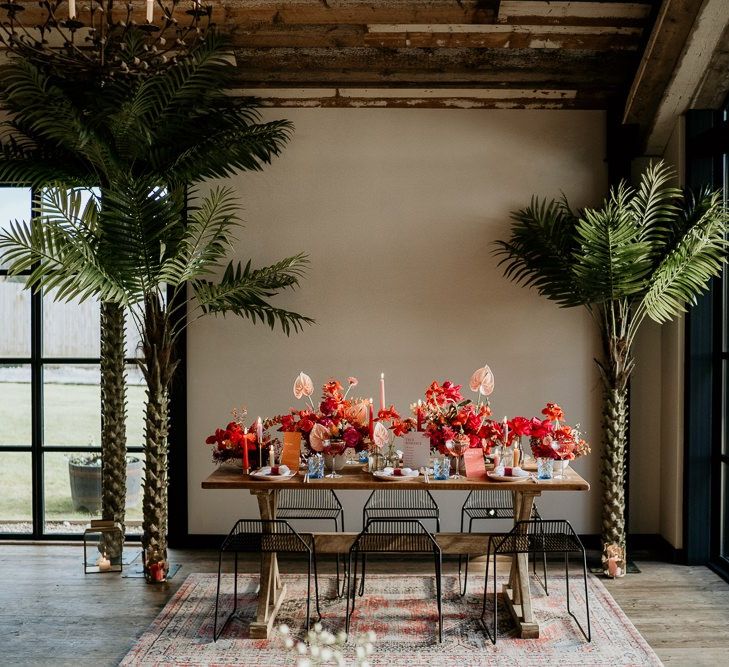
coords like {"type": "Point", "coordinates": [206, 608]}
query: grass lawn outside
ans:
{"type": "Point", "coordinates": [72, 418]}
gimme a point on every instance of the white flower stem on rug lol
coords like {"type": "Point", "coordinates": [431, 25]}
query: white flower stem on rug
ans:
{"type": "Point", "coordinates": [324, 648]}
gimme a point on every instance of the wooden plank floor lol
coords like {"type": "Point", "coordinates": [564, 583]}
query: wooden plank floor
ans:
{"type": "Point", "coordinates": [51, 614]}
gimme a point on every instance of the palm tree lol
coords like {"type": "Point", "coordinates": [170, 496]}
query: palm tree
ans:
{"type": "Point", "coordinates": [646, 253]}
{"type": "Point", "coordinates": [141, 141]}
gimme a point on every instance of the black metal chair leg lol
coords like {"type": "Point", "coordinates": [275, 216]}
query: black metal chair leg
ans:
{"type": "Point", "coordinates": [587, 596]}
{"type": "Point", "coordinates": [364, 567]}
{"type": "Point", "coordinates": [308, 594]}
{"type": "Point", "coordinates": [316, 579]}
{"type": "Point", "coordinates": [439, 594]}
{"type": "Point", "coordinates": [235, 585]}
{"type": "Point", "coordinates": [349, 587]}
{"type": "Point", "coordinates": [217, 597]}
{"type": "Point", "coordinates": [496, 607]}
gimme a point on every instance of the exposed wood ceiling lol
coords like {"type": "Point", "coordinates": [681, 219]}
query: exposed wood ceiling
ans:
{"type": "Point", "coordinates": [435, 53]}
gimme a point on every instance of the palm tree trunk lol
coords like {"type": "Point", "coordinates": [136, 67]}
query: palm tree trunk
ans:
{"type": "Point", "coordinates": [616, 371]}
{"type": "Point", "coordinates": [158, 368]}
{"type": "Point", "coordinates": [113, 421]}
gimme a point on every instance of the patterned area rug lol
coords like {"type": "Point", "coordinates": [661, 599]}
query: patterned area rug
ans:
{"type": "Point", "coordinates": [402, 612]}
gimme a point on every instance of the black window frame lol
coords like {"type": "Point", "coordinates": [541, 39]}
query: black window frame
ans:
{"type": "Point", "coordinates": [38, 449]}
{"type": "Point", "coordinates": [706, 365]}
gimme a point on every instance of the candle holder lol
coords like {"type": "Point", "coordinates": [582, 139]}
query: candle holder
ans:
{"type": "Point", "coordinates": [108, 539]}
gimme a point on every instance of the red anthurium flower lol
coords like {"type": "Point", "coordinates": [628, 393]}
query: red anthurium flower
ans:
{"type": "Point", "coordinates": [553, 412]}
{"type": "Point", "coordinates": [520, 426]}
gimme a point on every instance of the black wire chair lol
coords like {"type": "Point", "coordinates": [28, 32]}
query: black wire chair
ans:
{"type": "Point", "coordinates": [399, 504]}
{"type": "Point", "coordinates": [313, 504]}
{"type": "Point", "coordinates": [265, 536]}
{"type": "Point", "coordinates": [394, 536]}
{"type": "Point", "coordinates": [487, 504]}
{"type": "Point", "coordinates": [547, 535]}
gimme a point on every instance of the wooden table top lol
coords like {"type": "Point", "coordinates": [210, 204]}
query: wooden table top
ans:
{"type": "Point", "coordinates": [358, 480]}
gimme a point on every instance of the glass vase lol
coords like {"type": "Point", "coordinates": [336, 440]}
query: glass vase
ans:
{"type": "Point", "coordinates": [155, 566]}
{"type": "Point", "coordinates": [544, 467]}
{"type": "Point", "coordinates": [441, 468]}
{"type": "Point", "coordinates": [507, 456]}
{"type": "Point", "coordinates": [560, 469]}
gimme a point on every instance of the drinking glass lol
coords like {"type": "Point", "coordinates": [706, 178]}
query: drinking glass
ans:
{"type": "Point", "coordinates": [544, 467]}
{"type": "Point", "coordinates": [456, 447]}
{"type": "Point", "coordinates": [333, 448]}
{"type": "Point", "coordinates": [316, 466]}
{"type": "Point", "coordinates": [441, 468]}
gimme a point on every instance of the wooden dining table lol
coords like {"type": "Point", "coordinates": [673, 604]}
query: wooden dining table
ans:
{"type": "Point", "coordinates": [516, 593]}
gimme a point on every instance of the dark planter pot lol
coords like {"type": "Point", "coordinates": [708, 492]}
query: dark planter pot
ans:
{"type": "Point", "coordinates": [85, 482]}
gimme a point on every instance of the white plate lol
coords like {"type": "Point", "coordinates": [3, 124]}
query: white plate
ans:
{"type": "Point", "coordinates": [272, 478]}
{"type": "Point", "coordinates": [503, 478]}
{"type": "Point", "coordinates": [384, 477]}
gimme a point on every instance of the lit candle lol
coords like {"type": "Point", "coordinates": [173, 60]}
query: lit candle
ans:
{"type": "Point", "coordinates": [246, 466]}
{"type": "Point", "coordinates": [271, 456]}
{"type": "Point", "coordinates": [259, 430]}
{"type": "Point", "coordinates": [372, 422]}
{"type": "Point", "coordinates": [150, 11]}
{"type": "Point", "coordinates": [104, 563]}
{"type": "Point", "coordinates": [506, 432]}
{"type": "Point", "coordinates": [72, 9]}
{"type": "Point", "coordinates": [419, 415]}
{"type": "Point", "coordinates": [382, 392]}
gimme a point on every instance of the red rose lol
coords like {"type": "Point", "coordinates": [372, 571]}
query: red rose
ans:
{"type": "Point", "coordinates": [329, 406]}
{"type": "Point", "coordinates": [306, 425]}
{"type": "Point", "coordinates": [352, 437]}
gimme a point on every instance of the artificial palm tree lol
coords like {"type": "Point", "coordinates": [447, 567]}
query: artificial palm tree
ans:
{"type": "Point", "coordinates": [646, 253]}
{"type": "Point", "coordinates": [141, 140]}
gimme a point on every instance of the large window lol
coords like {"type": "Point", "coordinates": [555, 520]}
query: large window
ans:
{"type": "Point", "coordinates": [50, 417]}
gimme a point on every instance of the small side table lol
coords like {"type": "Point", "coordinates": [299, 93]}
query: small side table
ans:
{"type": "Point", "coordinates": [99, 534]}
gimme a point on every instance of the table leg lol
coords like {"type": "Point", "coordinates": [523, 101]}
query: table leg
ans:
{"type": "Point", "coordinates": [272, 592]}
{"type": "Point", "coordinates": [516, 593]}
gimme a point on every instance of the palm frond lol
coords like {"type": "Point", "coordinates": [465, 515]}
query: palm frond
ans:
{"type": "Point", "coordinates": [540, 251]}
{"type": "Point", "coordinates": [696, 255]}
{"type": "Point", "coordinates": [206, 239]}
{"type": "Point", "coordinates": [612, 261]}
{"type": "Point", "coordinates": [245, 292]}
{"type": "Point", "coordinates": [653, 203]}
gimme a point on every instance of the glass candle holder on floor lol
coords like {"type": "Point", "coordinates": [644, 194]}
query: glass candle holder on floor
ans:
{"type": "Point", "coordinates": [441, 468]}
{"type": "Point", "coordinates": [544, 468]}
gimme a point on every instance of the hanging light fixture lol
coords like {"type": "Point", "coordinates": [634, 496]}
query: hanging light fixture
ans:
{"type": "Point", "coordinates": [101, 38]}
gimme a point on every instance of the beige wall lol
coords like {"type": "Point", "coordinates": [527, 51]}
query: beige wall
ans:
{"type": "Point", "coordinates": [398, 209]}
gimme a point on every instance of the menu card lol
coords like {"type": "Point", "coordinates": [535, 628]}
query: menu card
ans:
{"type": "Point", "coordinates": [291, 454]}
{"type": "Point", "coordinates": [416, 450]}
{"type": "Point", "coordinates": [475, 466]}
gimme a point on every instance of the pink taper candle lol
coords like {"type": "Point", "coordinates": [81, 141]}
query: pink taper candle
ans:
{"type": "Point", "coordinates": [382, 392]}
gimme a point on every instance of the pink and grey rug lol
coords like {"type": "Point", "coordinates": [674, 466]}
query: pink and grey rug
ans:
{"type": "Point", "coordinates": [401, 610]}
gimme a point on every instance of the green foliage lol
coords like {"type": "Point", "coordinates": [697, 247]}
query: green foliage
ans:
{"type": "Point", "coordinates": [142, 140]}
{"type": "Point", "coordinates": [645, 251]}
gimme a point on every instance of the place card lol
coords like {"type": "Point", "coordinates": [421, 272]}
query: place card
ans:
{"type": "Point", "coordinates": [473, 460]}
{"type": "Point", "coordinates": [291, 454]}
{"type": "Point", "coordinates": [416, 450]}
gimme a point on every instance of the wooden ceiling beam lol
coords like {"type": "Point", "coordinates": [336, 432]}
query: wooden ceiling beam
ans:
{"type": "Point", "coordinates": [665, 45]}
{"type": "Point", "coordinates": [574, 13]}
{"type": "Point", "coordinates": [591, 38]}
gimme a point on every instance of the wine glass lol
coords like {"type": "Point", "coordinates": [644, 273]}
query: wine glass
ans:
{"type": "Point", "coordinates": [559, 470]}
{"type": "Point", "coordinates": [456, 447]}
{"type": "Point", "coordinates": [333, 448]}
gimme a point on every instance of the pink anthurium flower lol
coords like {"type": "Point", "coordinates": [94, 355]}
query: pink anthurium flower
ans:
{"type": "Point", "coordinates": [482, 381]}
{"type": "Point", "coordinates": [318, 435]}
{"type": "Point", "coordinates": [303, 386]}
{"type": "Point", "coordinates": [381, 435]}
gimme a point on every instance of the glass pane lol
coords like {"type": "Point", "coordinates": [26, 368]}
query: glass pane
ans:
{"type": "Point", "coordinates": [136, 397]}
{"type": "Point", "coordinates": [15, 316]}
{"type": "Point", "coordinates": [724, 510]}
{"type": "Point", "coordinates": [15, 204]}
{"type": "Point", "coordinates": [16, 493]}
{"type": "Point", "coordinates": [72, 405]}
{"type": "Point", "coordinates": [15, 406]}
{"type": "Point", "coordinates": [72, 484]}
{"type": "Point", "coordinates": [70, 329]}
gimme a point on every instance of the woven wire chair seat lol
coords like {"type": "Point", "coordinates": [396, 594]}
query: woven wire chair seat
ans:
{"type": "Point", "coordinates": [484, 504]}
{"type": "Point", "coordinates": [392, 536]}
{"type": "Point", "coordinates": [308, 504]}
{"type": "Point", "coordinates": [545, 535]}
{"type": "Point", "coordinates": [401, 504]}
{"type": "Point", "coordinates": [265, 536]}
{"type": "Point", "coordinates": [313, 504]}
